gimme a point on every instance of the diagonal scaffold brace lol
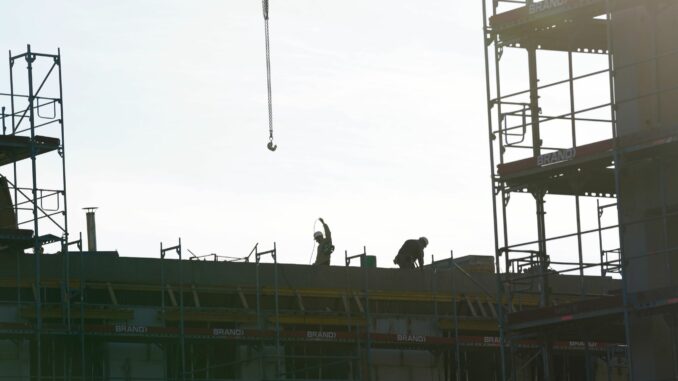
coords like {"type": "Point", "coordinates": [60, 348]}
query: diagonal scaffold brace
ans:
{"type": "Point", "coordinates": [271, 146]}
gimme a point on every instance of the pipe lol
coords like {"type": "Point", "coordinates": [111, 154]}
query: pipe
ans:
{"type": "Point", "coordinates": [91, 229]}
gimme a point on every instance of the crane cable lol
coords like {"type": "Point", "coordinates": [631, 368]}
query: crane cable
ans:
{"type": "Point", "coordinates": [271, 146]}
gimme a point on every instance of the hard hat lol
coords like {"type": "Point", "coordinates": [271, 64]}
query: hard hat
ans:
{"type": "Point", "coordinates": [424, 240]}
{"type": "Point", "coordinates": [317, 235]}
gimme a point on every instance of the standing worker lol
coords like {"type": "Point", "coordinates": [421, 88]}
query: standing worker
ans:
{"type": "Point", "coordinates": [325, 247]}
{"type": "Point", "coordinates": [412, 251]}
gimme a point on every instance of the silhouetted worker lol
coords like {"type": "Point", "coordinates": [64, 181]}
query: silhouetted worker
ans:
{"type": "Point", "coordinates": [325, 247]}
{"type": "Point", "coordinates": [412, 251]}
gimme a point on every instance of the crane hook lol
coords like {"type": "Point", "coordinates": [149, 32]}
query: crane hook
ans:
{"type": "Point", "coordinates": [272, 147]}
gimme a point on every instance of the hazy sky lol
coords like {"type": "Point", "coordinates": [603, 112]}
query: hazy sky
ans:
{"type": "Point", "coordinates": [379, 113]}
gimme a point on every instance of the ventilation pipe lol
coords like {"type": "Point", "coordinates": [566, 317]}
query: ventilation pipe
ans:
{"type": "Point", "coordinates": [91, 229]}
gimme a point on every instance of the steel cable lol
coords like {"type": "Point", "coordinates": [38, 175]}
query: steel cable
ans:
{"type": "Point", "coordinates": [270, 145]}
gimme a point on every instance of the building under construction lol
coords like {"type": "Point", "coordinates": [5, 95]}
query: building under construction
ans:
{"type": "Point", "coordinates": [595, 303]}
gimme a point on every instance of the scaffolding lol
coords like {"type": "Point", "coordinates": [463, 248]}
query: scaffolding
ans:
{"type": "Point", "coordinates": [202, 320]}
{"type": "Point", "coordinates": [88, 315]}
{"type": "Point", "coordinates": [34, 206]}
{"type": "Point", "coordinates": [559, 140]}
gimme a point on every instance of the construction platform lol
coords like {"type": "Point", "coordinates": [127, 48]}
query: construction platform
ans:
{"type": "Point", "coordinates": [368, 319]}
{"type": "Point", "coordinates": [586, 170]}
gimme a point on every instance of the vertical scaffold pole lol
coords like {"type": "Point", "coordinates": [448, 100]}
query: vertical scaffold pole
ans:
{"type": "Point", "coordinates": [603, 260]}
{"type": "Point", "coordinates": [182, 344]}
{"type": "Point", "coordinates": [580, 251]}
{"type": "Point", "coordinates": [30, 58]}
{"type": "Point", "coordinates": [11, 98]}
{"type": "Point", "coordinates": [539, 193]}
{"type": "Point", "coordinates": [488, 93]}
{"type": "Point", "coordinates": [434, 288]}
{"type": "Point", "coordinates": [83, 368]}
{"type": "Point", "coordinates": [457, 359]}
{"type": "Point", "coordinates": [256, 281]}
{"type": "Point", "coordinates": [62, 153]}
{"type": "Point", "coordinates": [181, 313]}
{"type": "Point", "coordinates": [368, 330]}
{"type": "Point", "coordinates": [162, 282]}
{"type": "Point", "coordinates": [277, 313]}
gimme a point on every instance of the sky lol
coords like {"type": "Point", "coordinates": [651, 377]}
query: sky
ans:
{"type": "Point", "coordinates": [379, 116]}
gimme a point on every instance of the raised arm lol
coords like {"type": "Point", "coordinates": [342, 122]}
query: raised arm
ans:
{"type": "Point", "coordinates": [328, 234]}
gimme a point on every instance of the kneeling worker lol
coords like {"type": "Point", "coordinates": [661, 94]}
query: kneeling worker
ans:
{"type": "Point", "coordinates": [412, 251]}
{"type": "Point", "coordinates": [325, 247]}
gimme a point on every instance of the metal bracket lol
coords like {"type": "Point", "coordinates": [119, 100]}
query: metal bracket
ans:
{"type": "Point", "coordinates": [348, 258]}
{"type": "Point", "coordinates": [259, 254]}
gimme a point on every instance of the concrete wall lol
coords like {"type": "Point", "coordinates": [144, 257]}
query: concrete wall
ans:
{"type": "Point", "coordinates": [406, 365]}
{"type": "Point", "coordinates": [640, 34]}
{"type": "Point", "coordinates": [648, 188]}
{"type": "Point", "coordinates": [131, 361]}
{"type": "Point", "coordinates": [259, 363]}
{"type": "Point", "coordinates": [402, 365]}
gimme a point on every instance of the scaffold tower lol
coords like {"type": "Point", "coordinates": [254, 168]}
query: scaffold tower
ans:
{"type": "Point", "coordinates": [33, 203]}
{"type": "Point", "coordinates": [579, 96]}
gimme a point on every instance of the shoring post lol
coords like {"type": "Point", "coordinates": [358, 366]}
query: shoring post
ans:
{"type": "Point", "coordinates": [534, 97]}
{"type": "Point", "coordinates": [599, 213]}
{"type": "Point", "coordinates": [543, 263]}
{"type": "Point", "coordinates": [539, 193]}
